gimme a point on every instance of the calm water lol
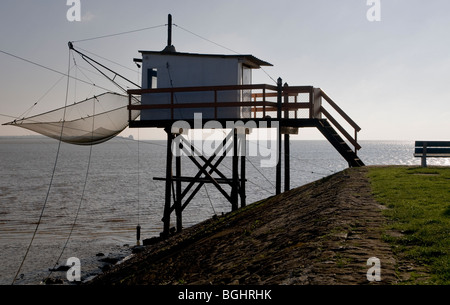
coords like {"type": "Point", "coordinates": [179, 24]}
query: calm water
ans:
{"type": "Point", "coordinates": [119, 194]}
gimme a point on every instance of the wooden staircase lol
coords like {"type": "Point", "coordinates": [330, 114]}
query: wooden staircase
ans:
{"type": "Point", "coordinates": [338, 143]}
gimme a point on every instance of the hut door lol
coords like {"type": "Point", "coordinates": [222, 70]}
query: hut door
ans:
{"type": "Point", "coordinates": [246, 75]}
{"type": "Point", "coordinates": [246, 95]}
{"type": "Point", "coordinates": [152, 78]}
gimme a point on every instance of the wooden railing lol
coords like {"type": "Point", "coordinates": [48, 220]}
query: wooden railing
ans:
{"type": "Point", "coordinates": [216, 104]}
{"type": "Point", "coordinates": [356, 128]}
{"type": "Point", "coordinates": [265, 99]}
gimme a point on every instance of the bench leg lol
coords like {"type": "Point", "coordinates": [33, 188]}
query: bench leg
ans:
{"type": "Point", "coordinates": [424, 161]}
{"type": "Point", "coordinates": [424, 154]}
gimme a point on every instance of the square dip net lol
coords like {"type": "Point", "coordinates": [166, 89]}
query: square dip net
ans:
{"type": "Point", "coordinates": [92, 121]}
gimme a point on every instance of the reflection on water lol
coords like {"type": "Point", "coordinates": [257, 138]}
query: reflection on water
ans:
{"type": "Point", "coordinates": [114, 203]}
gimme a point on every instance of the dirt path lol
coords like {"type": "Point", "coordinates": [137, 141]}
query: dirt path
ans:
{"type": "Point", "coordinates": [321, 233]}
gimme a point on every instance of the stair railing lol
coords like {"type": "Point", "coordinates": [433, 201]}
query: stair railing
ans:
{"type": "Point", "coordinates": [316, 109]}
{"type": "Point", "coordinates": [352, 140]}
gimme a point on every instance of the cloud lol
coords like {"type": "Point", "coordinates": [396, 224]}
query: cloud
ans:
{"type": "Point", "coordinates": [87, 17]}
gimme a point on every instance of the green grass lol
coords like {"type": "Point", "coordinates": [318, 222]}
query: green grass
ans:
{"type": "Point", "coordinates": [418, 209]}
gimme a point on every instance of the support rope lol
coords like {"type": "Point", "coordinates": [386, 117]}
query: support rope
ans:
{"type": "Point", "coordinates": [138, 179]}
{"type": "Point", "coordinates": [121, 33]}
{"type": "Point", "coordinates": [50, 69]}
{"type": "Point", "coordinates": [51, 179]}
{"type": "Point", "coordinates": [210, 201]}
{"type": "Point", "coordinates": [219, 45]}
{"type": "Point", "coordinates": [81, 201]}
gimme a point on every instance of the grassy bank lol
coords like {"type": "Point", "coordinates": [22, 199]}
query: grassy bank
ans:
{"type": "Point", "coordinates": [418, 210]}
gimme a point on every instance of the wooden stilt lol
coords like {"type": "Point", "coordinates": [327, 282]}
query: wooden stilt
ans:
{"type": "Point", "coordinates": [243, 161]}
{"type": "Point", "coordinates": [287, 146]}
{"type": "Point", "coordinates": [235, 174]}
{"type": "Point", "coordinates": [287, 170]}
{"type": "Point", "coordinates": [278, 167]}
{"type": "Point", "coordinates": [178, 209]}
{"type": "Point", "coordinates": [169, 156]}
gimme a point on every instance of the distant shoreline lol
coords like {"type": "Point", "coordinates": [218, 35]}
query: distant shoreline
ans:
{"type": "Point", "coordinates": [128, 138]}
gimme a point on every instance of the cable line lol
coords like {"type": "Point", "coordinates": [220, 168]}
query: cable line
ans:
{"type": "Point", "coordinates": [109, 60]}
{"type": "Point", "coordinates": [90, 61]}
{"type": "Point", "coordinates": [210, 201]}
{"type": "Point", "coordinates": [8, 116]}
{"type": "Point", "coordinates": [206, 39]}
{"type": "Point", "coordinates": [81, 201]}
{"type": "Point", "coordinates": [51, 179]}
{"type": "Point", "coordinates": [222, 46]}
{"type": "Point", "coordinates": [50, 69]}
{"type": "Point", "coordinates": [121, 33]}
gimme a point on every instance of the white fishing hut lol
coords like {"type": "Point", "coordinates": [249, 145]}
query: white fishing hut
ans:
{"type": "Point", "coordinates": [188, 72]}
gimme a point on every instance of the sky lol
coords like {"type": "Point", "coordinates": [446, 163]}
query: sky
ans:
{"type": "Point", "coordinates": [390, 76]}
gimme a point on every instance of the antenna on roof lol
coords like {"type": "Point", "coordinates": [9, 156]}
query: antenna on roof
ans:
{"type": "Point", "coordinates": [169, 48]}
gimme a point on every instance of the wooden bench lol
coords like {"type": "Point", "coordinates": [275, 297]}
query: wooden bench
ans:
{"type": "Point", "coordinates": [431, 149]}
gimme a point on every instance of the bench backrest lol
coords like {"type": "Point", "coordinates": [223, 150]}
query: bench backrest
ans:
{"type": "Point", "coordinates": [432, 148]}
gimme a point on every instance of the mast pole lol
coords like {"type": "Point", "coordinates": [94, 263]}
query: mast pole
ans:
{"type": "Point", "coordinates": [169, 31]}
